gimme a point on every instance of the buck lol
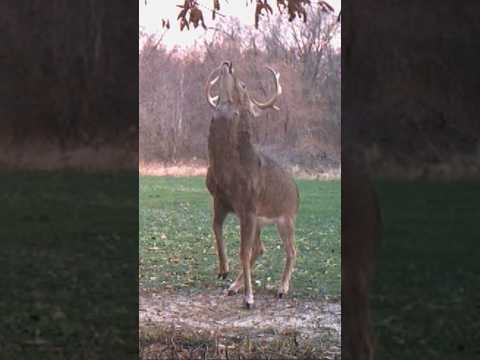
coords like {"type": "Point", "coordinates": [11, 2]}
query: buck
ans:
{"type": "Point", "coordinates": [246, 182]}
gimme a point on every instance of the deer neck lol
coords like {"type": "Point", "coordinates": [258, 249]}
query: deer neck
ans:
{"type": "Point", "coordinates": [229, 142]}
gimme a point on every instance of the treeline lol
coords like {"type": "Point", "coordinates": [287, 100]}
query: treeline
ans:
{"type": "Point", "coordinates": [174, 115]}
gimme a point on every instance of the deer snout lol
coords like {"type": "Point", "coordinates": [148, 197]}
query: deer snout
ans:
{"type": "Point", "coordinates": [229, 66]}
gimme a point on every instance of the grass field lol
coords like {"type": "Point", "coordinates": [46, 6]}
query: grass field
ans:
{"type": "Point", "coordinates": [177, 256]}
{"type": "Point", "coordinates": [426, 298]}
{"type": "Point", "coordinates": [177, 249]}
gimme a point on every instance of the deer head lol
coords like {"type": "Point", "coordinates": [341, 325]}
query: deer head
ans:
{"type": "Point", "coordinates": [234, 91]}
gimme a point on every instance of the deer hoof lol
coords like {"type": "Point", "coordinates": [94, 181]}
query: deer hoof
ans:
{"type": "Point", "coordinates": [248, 301]}
{"type": "Point", "coordinates": [223, 276]}
{"type": "Point", "coordinates": [249, 306]}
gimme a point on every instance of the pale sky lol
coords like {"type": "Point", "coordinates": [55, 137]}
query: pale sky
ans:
{"type": "Point", "coordinates": [151, 15]}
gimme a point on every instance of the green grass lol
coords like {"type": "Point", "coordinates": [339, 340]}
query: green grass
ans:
{"type": "Point", "coordinates": [426, 299]}
{"type": "Point", "coordinates": [177, 248]}
{"type": "Point", "coordinates": [69, 274]}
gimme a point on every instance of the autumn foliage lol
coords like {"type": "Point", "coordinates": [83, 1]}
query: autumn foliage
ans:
{"type": "Point", "coordinates": [191, 14]}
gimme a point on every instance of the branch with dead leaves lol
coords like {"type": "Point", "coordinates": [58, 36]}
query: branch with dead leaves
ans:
{"type": "Point", "coordinates": [191, 13]}
{"type": "Point", "coordinates": [195, 15]}
{"type": "Point", "coordinates": [295, 8]}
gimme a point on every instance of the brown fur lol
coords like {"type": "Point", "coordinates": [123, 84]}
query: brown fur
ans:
{"type": "Point", "coordinates": [244, 181]}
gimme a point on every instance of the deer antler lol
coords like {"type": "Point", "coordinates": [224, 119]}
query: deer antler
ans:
{"type": "Point", "coordinates": [212, 100]}
{"type": "Point", "coordinates": [278, 90]}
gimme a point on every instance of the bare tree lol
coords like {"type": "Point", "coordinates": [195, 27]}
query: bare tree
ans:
{"type": "Point", "coordinates": [305, 133]}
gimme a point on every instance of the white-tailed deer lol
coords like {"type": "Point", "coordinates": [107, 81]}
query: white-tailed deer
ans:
{"type": "Point", "coordinates": [244, 181]}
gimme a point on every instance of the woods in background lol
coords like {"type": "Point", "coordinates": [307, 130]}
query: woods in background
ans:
{"type": "Point", "coordinates": [174, 116]}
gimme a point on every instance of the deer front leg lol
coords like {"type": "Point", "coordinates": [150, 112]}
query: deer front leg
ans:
{"type": "Point", "coordinates": [247, 237]}
{"type": "Point", "coordinates": [258, 250]}
{"type": "Point", "coordinates": [286, 229]}
{"type": "Point", "coordinates": [219, 214]}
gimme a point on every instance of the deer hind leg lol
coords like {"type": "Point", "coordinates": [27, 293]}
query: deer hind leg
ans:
{"type": "Point", "coordinates": [286, 230]}
{"type": "Point", "coordinates": [220, 212]}
{"type": "Point", "coordinates": [258, 250]}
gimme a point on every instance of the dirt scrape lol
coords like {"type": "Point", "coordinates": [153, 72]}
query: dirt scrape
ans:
{"type": "Point", "coordinates": [212, 311]}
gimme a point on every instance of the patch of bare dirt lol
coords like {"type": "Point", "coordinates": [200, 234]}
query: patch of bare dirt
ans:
{"type": "Point", "coordinates": [186, 169]}
{"type": "Point", "coordinates": [314, 323]}
{"type": "Point", "coordinates": [160, 169]}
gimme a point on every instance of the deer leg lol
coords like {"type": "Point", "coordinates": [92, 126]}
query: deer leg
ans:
{"type": "Point", "coordinates": [247, 239]}
{"type": "Point", "coordinates": [258, 250]}
{"type": "Point", "coordinates": [219, 214]}
{"type": "Point", "coordinates": [286, 230]}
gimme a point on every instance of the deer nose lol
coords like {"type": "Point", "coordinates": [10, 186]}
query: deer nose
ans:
{"type": "Point", "coordinates": [228, 64]}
